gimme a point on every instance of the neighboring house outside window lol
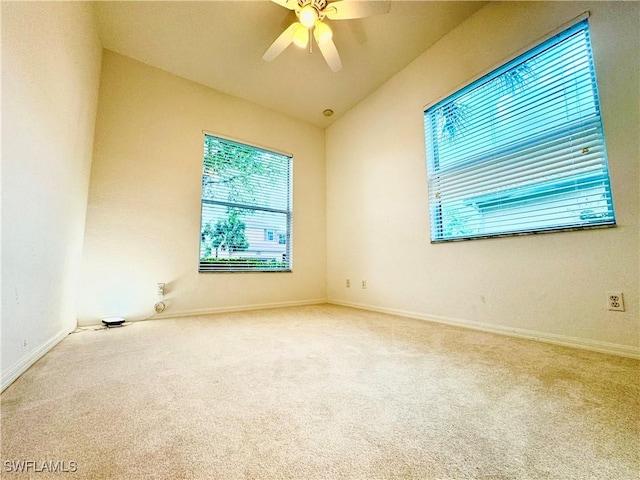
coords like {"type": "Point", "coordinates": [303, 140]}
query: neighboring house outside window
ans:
{"type": "Point", "coordinates": [246, 199]}
{"type": "Point", "coordinates": [521, 150]}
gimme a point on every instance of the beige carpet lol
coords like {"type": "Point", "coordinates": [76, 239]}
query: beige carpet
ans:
{"type": "Point", "coordinates": [321, 392]}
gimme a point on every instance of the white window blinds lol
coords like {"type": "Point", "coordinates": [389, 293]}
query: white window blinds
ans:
{"type": "Point", "coordinates": [246, 208]}
{"type": "Point", "coordinates": [521, 150]}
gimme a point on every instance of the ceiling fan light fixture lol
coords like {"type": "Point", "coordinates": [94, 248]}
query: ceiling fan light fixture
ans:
{"type": "Point", "coordinates": [300, 36]}
{"type": "Point", "coordinates": [322, 32]}
{"type": "Point", "coordinates": [308, 16]}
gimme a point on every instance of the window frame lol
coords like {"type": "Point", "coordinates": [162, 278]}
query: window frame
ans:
{"type": "Point", "coordinates": [206, 267]}
{"type": "Point", "coordinates": [434, 170]}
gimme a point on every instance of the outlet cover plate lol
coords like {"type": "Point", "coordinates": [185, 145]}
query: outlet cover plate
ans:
{"type": "Point", "coordinates": [615, 301]}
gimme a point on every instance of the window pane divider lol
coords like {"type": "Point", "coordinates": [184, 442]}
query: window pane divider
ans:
{"type": "Point", "coordinates": [241, 206]}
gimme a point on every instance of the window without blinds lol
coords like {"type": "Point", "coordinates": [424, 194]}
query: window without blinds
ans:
{"type": "Point", "coordinates": [521, 150]}
{"type": "Point", "coordinates": [246, 208]}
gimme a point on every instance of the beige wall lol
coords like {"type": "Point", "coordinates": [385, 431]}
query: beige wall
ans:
{"type": "Point", "coordinates": [143, 215]}
{"type": "Point", "coordinates": [546, 286]}
{"type": "Point", "coordinates": [50, 76]}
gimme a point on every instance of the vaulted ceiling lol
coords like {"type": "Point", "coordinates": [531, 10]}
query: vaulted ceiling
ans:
{"type": "Point", "coordinates": [220, 44]}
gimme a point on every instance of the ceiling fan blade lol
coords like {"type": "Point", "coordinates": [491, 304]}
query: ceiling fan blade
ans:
{"type": "Point", "coordinates": [290, 4]}
{"type": "Point", "coordinates": [330, 54]}
{"type": "Point", "coordinates": [280, 44]}
{"type": "Point", "coordinates": [346, 9]}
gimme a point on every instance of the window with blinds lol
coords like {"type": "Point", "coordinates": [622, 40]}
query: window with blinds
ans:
{"type": "Point", "coordinates": [246, 208]}
{"type": "Point", "coordinates": [521, 150]}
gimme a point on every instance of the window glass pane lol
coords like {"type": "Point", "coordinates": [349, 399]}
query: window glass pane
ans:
{"type": "Point", "coordinates": [521, 149]}
{"type": "Point", "coordinates": [245, 208]}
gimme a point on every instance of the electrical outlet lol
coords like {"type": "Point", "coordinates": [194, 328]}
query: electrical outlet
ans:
{"type": "Point", "coordinates": [615, 301]}
{"type": "Point", "coordinates": [348, 283]}
{"type": "Point", "coordinates": [364, 284]}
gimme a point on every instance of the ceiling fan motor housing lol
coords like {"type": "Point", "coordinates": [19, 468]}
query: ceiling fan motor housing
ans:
{"type": "Point", "coordinates": [319, 5]}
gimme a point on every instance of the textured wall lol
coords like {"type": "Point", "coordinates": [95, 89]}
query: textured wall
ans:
{"type": "Point", "coordinates": [378, 223]}
{"type": "Point", "coordinates": [143, 220]}
{"type": "Point", "coordinates": [50, 76]}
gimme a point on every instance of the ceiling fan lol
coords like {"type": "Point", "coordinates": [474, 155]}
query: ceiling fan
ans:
{"type": "Point", "coordinates": [311, 14]}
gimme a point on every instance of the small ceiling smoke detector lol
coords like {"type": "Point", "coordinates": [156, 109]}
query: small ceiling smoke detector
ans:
{"type": "Point", "coordinates": [328, 112]}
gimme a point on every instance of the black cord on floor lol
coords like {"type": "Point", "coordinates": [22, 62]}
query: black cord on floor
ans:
{"type": "Point", "coordinates": [96, 328]}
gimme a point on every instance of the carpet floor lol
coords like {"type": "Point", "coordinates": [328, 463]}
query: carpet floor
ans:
{"type": "Point", "coordinates": [319, 392]}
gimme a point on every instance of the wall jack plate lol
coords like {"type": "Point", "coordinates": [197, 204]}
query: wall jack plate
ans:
{"type": "Point", "coordinates": [615, 301]}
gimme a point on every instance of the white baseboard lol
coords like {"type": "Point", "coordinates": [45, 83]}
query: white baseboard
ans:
{"type": "Point", "coordinates": [208, 311]}
{"type": "Point", "coordinates": [12, 373]}
{"type": "Point", "coordinates": [238, 308]}
{"type": "Point", "coordinates": [575, 342]}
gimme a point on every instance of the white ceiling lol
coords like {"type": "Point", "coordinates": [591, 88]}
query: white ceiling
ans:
{"type": "Point", "coordinates": [220, 44]}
